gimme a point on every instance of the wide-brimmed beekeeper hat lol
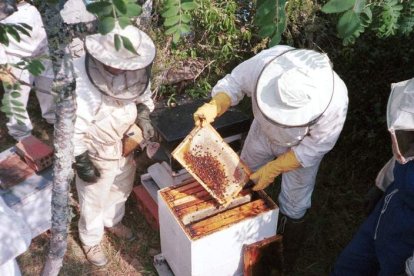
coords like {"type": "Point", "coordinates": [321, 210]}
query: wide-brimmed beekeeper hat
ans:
{"type": "Point", "coordinates": [400, 120]}
{"type": "Point", "coordinates": [295, 88]}
{"type": "Point", "coordinates": [102, 48]}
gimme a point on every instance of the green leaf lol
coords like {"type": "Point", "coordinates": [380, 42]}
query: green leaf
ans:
{"type": "Point", "coordinates": [124, 21]}
{"type": "Point", "coordinates": [133, 10]}
{"type": "Point", "coordinates": [15, 94]}
{"type": "Point", "coordinates": [176, 37]}
{"type": "Point", "coordinates": [106, 25]}
{"type": "Point", "coordinates": [172, 11]}
{"type": "Point", "coordinates": [5, 109]}
{"type": "Point", "coordinates": [22, 30]}
{"type": "Point", "coordinates": [187, 6]}
{"type": "Point", "coordinates": [35, 67]}
{"type": "Point", "coordinates": [359, 6]}
{"type": "Point", "coordinates": [16, 86]}
{"type": "Point", "coordinates": [171, 30]}
{"type": "Point", "coordinates": [4, 39]}
{"type": "Point", "coordinates": [16, 103]}
{"type": "Point", "coordinates": [170, 3]}
{"type": "Point", "coordinates": [265, 8]}
{"type": "Point", "coordinates": [184, 29]}
{"type": "Point", "coordinates": [19, 116]}
{"type": "Point", "coordinates": [185, 18]}
{"type": "Point", "coordinates": [336, 6]}
{"type": "Point", "coordinates": [128, 45]}
{"type": "Point", "coordinates": [19, 109]}
{"type": "Point", "coordinates": [171, 21]}
{"type": "Point", "coordinates": [117, 42]}
{"type": "Point", "coordinates": [267, 30]}
{"type": "Point", "coordinates": [98, 7]}
{"type": "Point", "coordinates": [13, 33]}
{"type": "Point", "coordinates": [348, 24]}
{"type": "Point", "coordinates": [275, 39]}
{"type": "Point", "coordinates": [26, 26]}
{"type": "Point", "coordinates": [120, 6]}
{"type": "Point", "coordinates": [266, 19]}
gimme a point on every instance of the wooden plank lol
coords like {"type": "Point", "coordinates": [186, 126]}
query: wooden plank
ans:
{"type": "Point", "coordinates": [147, 206]}
{"type": "Point", "coordinates": [226, 218]}
{"type": "Point", "coordinates": [263, 257]}
{"type": "Point", "coordinates": [205, 209]}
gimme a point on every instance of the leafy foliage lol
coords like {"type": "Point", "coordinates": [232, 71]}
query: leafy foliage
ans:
{"type": "Point", "coordinates": [13, 30]}
{"type": "Point", "coordinates": [385, 17]}
{"type": "Point", "coordinates": [270, 18]}
{"type": "Point", "coordinates": [11, 106]}
{"type": "Point", "coordinates": [34, 66]}
{"type": "Point", "coordinates": [177, 17]}
{"type": "Point", "coordinates": [111, 12]}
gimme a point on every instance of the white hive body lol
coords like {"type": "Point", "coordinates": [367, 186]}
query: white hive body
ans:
{"type": "Point", "coordinates": [199, 237]}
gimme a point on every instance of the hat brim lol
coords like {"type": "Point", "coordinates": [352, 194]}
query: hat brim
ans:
{"type": "Point", "coordinates": [268, 99]}
{"type": "Point", "coordinates": [102, 48]}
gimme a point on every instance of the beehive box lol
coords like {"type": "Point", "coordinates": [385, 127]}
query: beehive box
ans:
{"type": "Point", "coordinates": [212, 163]}
{"type": "Point", "coordinates": [200, 237]}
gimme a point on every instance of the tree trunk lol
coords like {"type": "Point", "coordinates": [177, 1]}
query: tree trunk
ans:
{"type": "Point", "coordinates": [64, 85]}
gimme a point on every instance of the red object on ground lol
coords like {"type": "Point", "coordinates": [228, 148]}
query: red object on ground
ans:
{"type": "Point", "coordinates": [35, 153]}
{"type": "Point", "coordinates": [13, 171]}
{"type": "Point", "coordinates": [147, 206]}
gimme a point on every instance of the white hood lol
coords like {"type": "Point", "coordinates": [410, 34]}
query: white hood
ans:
{"type": "Point", "coordinates": [400, 120]}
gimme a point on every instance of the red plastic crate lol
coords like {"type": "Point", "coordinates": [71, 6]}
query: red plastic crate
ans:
{"type": "Point", "coordinates": [147, 206]}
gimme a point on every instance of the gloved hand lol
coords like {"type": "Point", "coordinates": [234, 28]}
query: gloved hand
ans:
{"type": "Point", "coordinates": [264, 176]}
{"type": "Point", "coordinates": [85, 169]}
{"type": "Point", "coordinates": [371, 198]}
{"type": "Point", "coordinates": [209, 111]}
{"type": "Point", "coordinates": [144, 122]}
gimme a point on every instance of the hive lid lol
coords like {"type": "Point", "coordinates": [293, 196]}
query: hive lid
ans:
{"type": "Point", "coordinates": [213, 163]}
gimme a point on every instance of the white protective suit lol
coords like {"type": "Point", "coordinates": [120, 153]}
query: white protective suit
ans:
{"type": "Point", "coordinates": [15, 237]}
{"type": "Point", "coordinates": [100, 125]}
{"type": "Point", "coordinates": [30, 47]}
{"type": "Point", "coordinates": [265, 141]}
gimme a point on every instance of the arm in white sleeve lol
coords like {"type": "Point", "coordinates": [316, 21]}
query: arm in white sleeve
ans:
{"type": "Point", "coordinates": [386, 175]}
{"type": "Point", "coordinates": [242, 80]}
{"type": "Point", "coordinates": [324, 133]}
{"type": "Point", "coordinates": [409, 266]}
{"type": "Point", "coordinates": [146, 98]}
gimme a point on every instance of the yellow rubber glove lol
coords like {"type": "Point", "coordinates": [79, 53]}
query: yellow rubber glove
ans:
{"type": "Point", "coordinates": [216, 107]}
{"type": "Point", "coordinates": [264, 176]}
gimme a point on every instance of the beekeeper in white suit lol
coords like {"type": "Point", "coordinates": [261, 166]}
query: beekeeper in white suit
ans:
{"type": "Point", "coordinates": [35, 46]}
{"type": "Point", "coordinates": [113, 93]}
{"type": "Point", "coordinates": [299, 105]}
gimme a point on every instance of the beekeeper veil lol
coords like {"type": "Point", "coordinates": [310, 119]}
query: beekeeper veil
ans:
{"type": "Point", "coordinates": [133, 69]}
{"type": "Point", "coordinates": [400, 120]}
